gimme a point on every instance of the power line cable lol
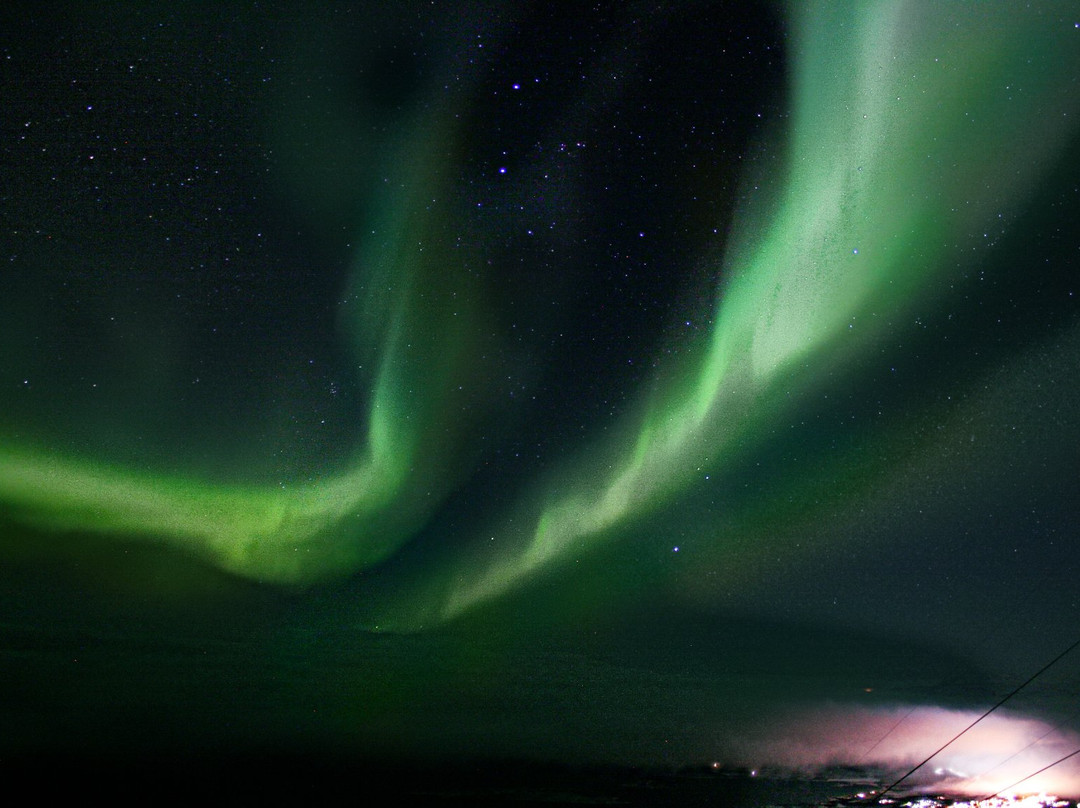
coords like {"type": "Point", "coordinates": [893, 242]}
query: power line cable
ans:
{"type": "Point", "coordinates": [1020, 751]}
{"type": "Point", "coordinates": [888, 732]}
{"type": "Point", "coordinates": [951, 682]}
{"type": "Point", "coordinates": [1025, 779]}
{"type": "Point", "coordinates": [941, 685]}
{"type": "Point", "coordinates": [962, 732]}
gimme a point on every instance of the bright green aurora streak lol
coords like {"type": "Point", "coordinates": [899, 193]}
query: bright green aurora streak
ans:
{"type": "Point", "coordinates": [903, 139]}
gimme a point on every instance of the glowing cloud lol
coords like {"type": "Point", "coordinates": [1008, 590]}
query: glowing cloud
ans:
{"type": "Point", "coordinates": [1000, 751]}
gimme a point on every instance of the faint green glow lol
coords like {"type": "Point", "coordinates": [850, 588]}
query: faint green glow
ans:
{"type": "Point", "coordinates": [904, 139]}
{"type": "Point", "coordinates": [303, 532]}
{"type": "Point", "coordinates": [261, 533]}
{"type": "Point", "coordinates": [909, 128]}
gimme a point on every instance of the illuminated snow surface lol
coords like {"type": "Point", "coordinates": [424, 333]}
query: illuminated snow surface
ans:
{"type": "Point", "coordinates": [701, 787]}
{"type": "Point", "coordinates": [914, 801]}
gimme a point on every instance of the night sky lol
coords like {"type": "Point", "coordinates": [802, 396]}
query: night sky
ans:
{"type": "Point", "coordinates": [631, 383]}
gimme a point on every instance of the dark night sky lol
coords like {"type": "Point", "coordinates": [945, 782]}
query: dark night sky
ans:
{"type": "Point", "coordinates": [616, 383]}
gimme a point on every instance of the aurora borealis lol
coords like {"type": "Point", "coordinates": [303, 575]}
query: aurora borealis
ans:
{"type": "Point", "coordinates": [604, 357]}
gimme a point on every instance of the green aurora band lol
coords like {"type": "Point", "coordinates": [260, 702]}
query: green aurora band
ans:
{"type": "Point", "coordinates": [909, 130]}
